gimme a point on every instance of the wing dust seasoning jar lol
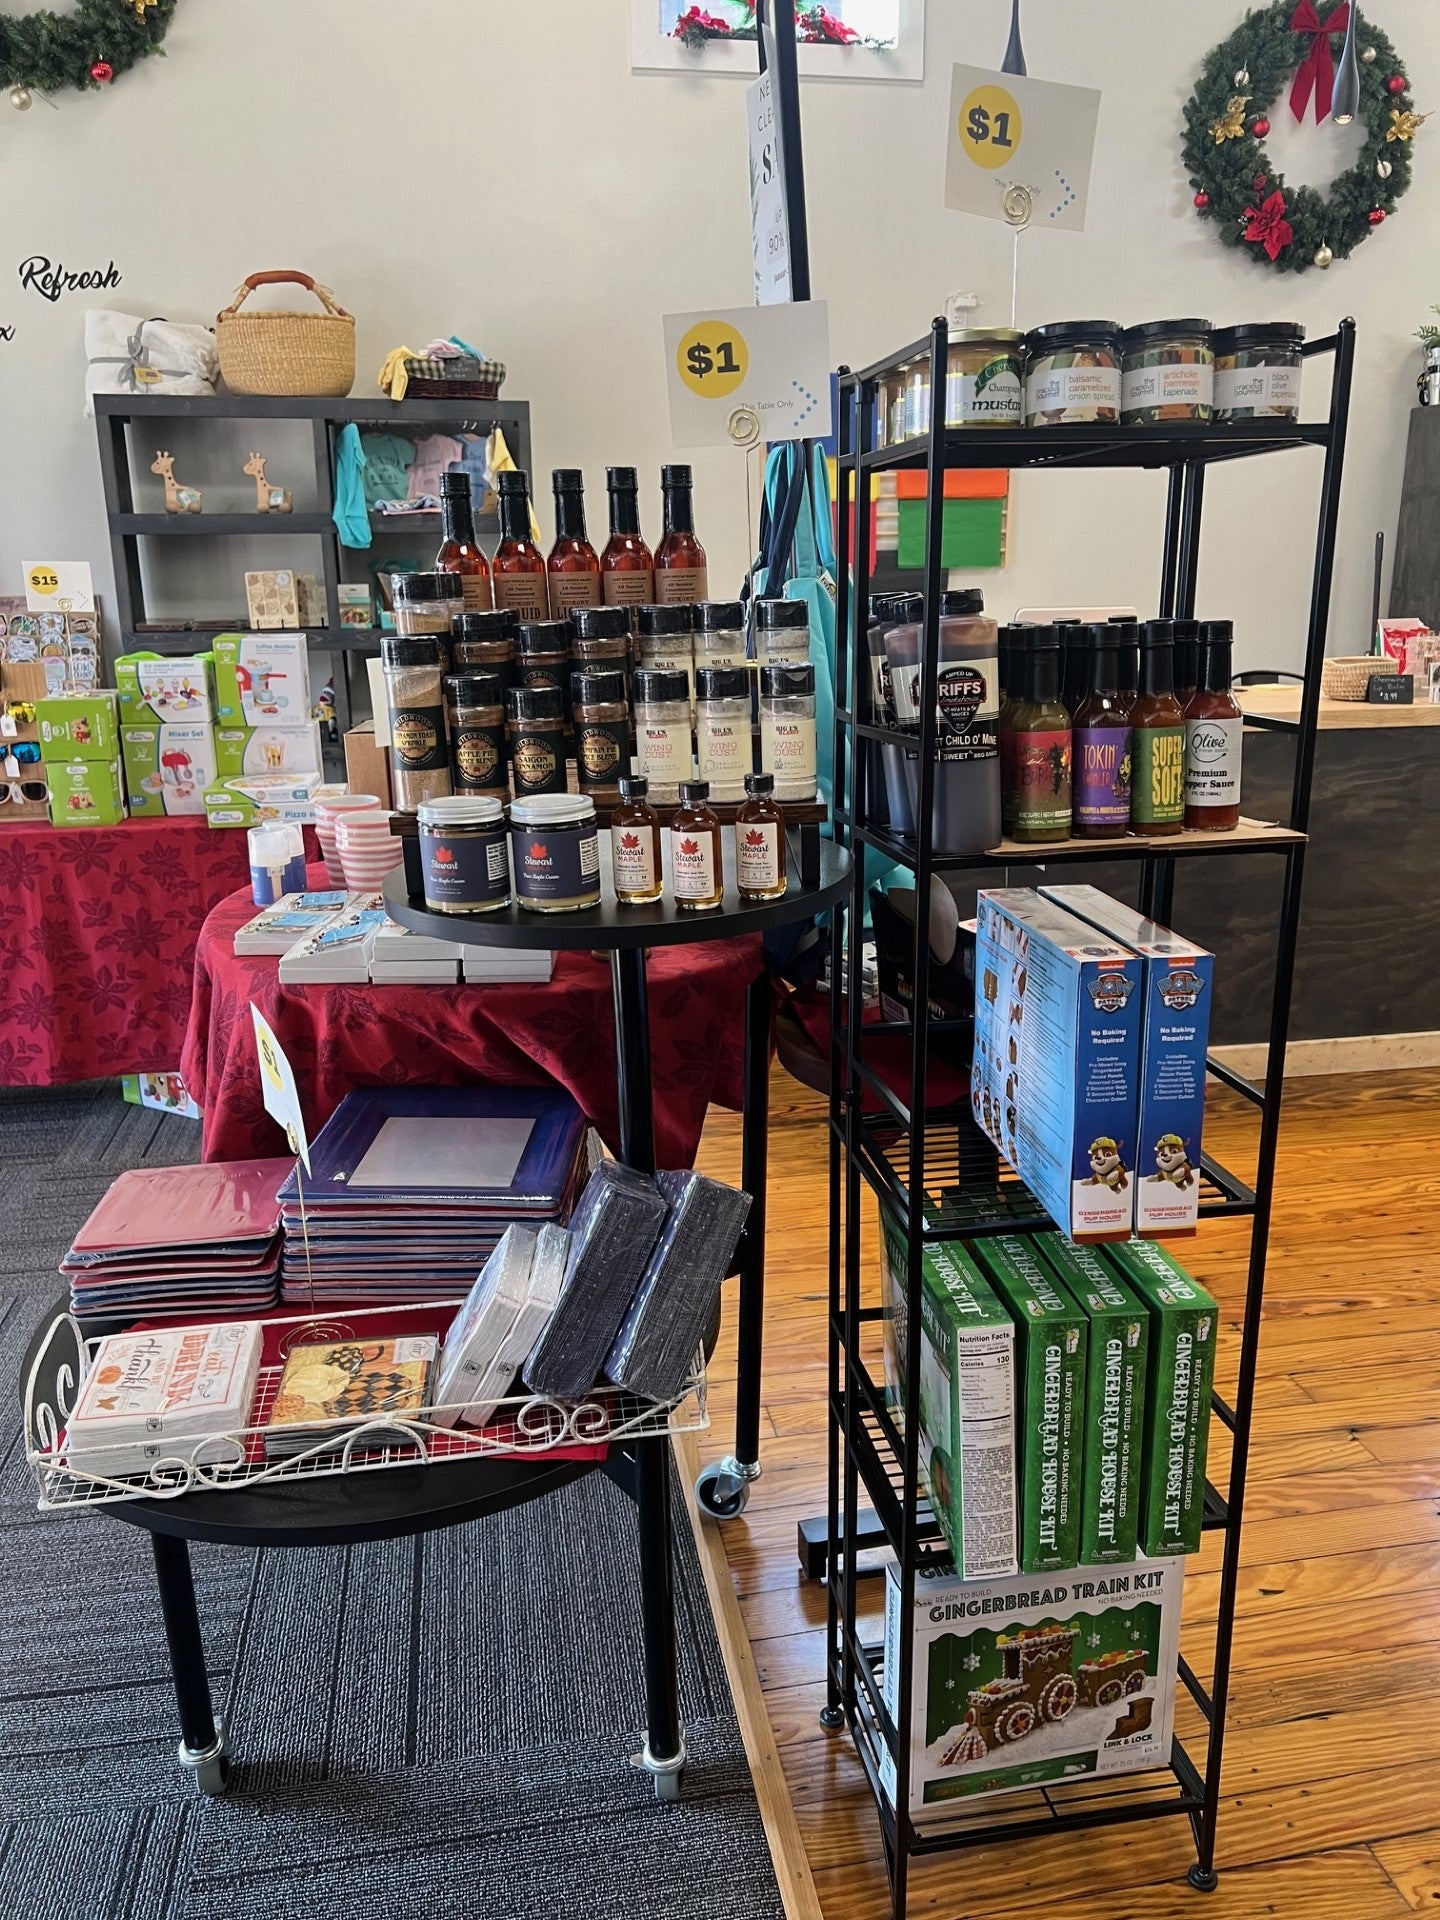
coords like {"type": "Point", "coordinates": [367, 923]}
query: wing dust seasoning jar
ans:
{"type": "Point", "coordinates": [662, 731]}
{"type": "Point", "coordinates": [464, 854]}
{"type": "Point", "coordinates": [419, 756]}
{"type": "Point", "coordinates": [722, 729]}
{"type": "Point", "coordinates": [555, 849]}
{"type": "Point", "coordinates": [787, 730]}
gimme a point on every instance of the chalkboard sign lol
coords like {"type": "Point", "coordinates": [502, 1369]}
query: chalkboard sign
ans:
{"type": "Point", "coordinates": [1390, 690]}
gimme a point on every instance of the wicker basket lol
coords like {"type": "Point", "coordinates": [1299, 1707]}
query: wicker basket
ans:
{"type": "Point", "coordinates": [287, 354]}
{"type": "Point", "coordinates": [461, 378]}
{"type": "Point", "coordinates": [1346, 676]}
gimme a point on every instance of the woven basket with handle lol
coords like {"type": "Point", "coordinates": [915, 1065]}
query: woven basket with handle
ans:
{"type": "Point", "coordinates": [286, 353]}
{"type": "Point", "coordinates": [1346, 676]}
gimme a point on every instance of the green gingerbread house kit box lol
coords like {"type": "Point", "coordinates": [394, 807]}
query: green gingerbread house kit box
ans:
{"type": "Point", "coordinates": [1028, 1681]}
{"type": "Point", "coordinates": [1114, 1418]}
{"type": "Point", "coordinates": [1183, 1321]}
{"type": "Point", "coordinates": [967, 1401]}
{"type": "Point", "coordinates": [1050, 1339]}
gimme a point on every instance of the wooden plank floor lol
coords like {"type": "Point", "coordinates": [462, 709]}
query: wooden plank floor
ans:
{"type": "Point", "coordinates": [1331, 1801]}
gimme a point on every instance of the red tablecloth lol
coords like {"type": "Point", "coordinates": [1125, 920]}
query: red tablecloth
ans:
{"type": "Point", "coordinates": [338, 1037]}
{"type": "Point", "coordinates": [97, 943]}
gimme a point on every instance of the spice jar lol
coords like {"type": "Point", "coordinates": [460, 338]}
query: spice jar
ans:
{"type": "Point", "coordinates": [419, 759]}
{"type": "Point", "coordinates": [665, 643]}
{"type": "Point", "coordinates": [787, 730]}
{"type": "Point", "coordinates": [722, 730]}
{"type": "Point", "coordinates": [1257, 371]}
{"type": "Point", "coordinates": [1167, 372]}
{"type": "Point", "coordinates": [600, 637]}
{"type": "Point", "coordinates": [1072, 374]}
{"type": "Point", "coordinates": [782, 633]}
{"type": "Point", "coordinates": [475, 720]}
{"type": "Point", "coordinates": [555, 849]}
{"type": "Point", "coordinates": [464, 854]}
{"type": "Point", "coordinates": [486, 639]}
{"type": "Point", "coordinates": [427, 602]}
{"type": "Point", "coordinates": [983, 381]}
{"type": "Point", "coordinates": [536, 726]}
{"type": "Point", "coordinates": [719, 634]}
{"type": "Point", "coordinates": [602, 731]}
{"type": "Point", "coordinates": [662, 731]}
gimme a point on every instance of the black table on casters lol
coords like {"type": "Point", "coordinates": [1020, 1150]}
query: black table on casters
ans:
{"type": "Point", "coordinates": [339, 1510]}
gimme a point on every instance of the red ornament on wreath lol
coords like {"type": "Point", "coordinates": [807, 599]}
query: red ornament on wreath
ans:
{"type": "Point", "coordinates": [1397, 83]}
{"type": "Point", "coordinates": [1202, 200]}
{"type": "Point", "coordinates": [1260, 127]}
{"type": "Point", "coordinates": [102, 73]}
{"type": "Point", "coordinates": [1376, 216]}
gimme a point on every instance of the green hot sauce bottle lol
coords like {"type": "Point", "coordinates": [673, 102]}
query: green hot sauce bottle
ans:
{"type": "Point", "coordinates": [1039, 762]}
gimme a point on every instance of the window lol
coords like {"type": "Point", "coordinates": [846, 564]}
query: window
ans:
{"type": "Point", "coordinates": [838, 39]}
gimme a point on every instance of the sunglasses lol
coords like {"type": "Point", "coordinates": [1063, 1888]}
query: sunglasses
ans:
{"type": "Point", "coordinates": [22, 792]}
{"type": "Point", "coordinates": [22, 753]}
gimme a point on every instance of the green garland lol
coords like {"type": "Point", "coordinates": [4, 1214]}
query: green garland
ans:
{"type": "Point", "coordinates": [85, 48]}
{"type": "Point", "coordinates": [1233, 177]}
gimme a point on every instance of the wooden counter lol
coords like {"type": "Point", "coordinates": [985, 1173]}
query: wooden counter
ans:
{"type": "Point", "coordinates": [1283, 703]}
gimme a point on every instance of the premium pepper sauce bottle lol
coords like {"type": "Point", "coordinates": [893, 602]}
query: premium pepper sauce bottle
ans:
{"type": "Point", "coordinates": [627, 566]}
{"type": "Point", "coordinates": [573, 569]}
{"type": "Point", "coordinates": [1157, 737]}
{"type": "Point", "coordinates": [518, 569]}
{"type": "Point", "coordinates": [1101, 745]}
{"type": "Point", "coordinates": [1214, 727]}
{"type": "Point", "coordinates": [681, 572]}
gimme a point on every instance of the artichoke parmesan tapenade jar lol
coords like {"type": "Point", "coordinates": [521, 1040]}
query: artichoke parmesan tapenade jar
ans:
{"type": "Point", "coordinates": [1167, 373]}
{"type": "Point", "coordinates": [1257, 371]}
{"type": "Point", "coordinates": [1072, 374]}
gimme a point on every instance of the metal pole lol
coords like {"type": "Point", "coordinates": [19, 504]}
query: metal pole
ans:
{"type": "Point", "coordinates": [1170, 567]}
{"type": "Point", "coordinates": [200, 1736]}
{"type": "Point", "coordinates": [1324, 573]}
{"type": "Point", "coordinates": [781, 14]}
{"type": "Point", "coordinates": [754, 1169]}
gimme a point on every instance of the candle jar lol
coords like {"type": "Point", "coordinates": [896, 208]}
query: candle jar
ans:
{"type": "Point", "coordinates": [427, 602]}
{"type": "Point", "coordinates": [419, 755]}
{"type": "Point", "coordinates": [665, 642]}
{"type": "Point", "coordinates": [475, 719]}
{"type": "Point", "coordinates": [486, 640]}
{"type": "Point", "coordinates": [787, 730]}
{"type": "Point", "coordinates": [782, 633]}
{"type": "Point", "coordinates": [722, 730]}
{"type": "Point", "coordinates": [536, 726]}
{"type": "Point", "coordinates": [464, 854]}
{"type": "Point", "coordinates": [602, 732]}
{"type": "Point", "coordinates": [719, 634]}
{"type": "Point", "coordinates": [555, 848]}
{"type": "Point", "coordinates": [662, 731]}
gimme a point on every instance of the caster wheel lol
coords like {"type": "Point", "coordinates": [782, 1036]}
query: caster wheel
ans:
{"type": "Point", "coordinates": [1203, 1879]}
{"type": "Point", "coordinates": [213, 1776]}
{"type": "Point", "coordinates": [667, 1785]}
{"type": "Point", "coordinates": [719, 1495]}
{"type": "Point", "coordinates": [832, 1718]}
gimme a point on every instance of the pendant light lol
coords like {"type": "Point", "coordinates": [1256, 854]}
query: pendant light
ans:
{"type": "Point", "coordinates": [1345, 103]}
{"type": "Point", "coordinates": [1014, 61]}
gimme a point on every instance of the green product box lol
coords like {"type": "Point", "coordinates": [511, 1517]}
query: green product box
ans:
{"type": "Point", "coordinates": [86, 793]}
{"type": "Point", "coordinates": [166, 690]}
{"type": "Point", "coordinates": [1114, 1399]}
{"type": "Point", "coordinates": [1051, 1341]}
{"type": "Point", "coordinates": [78, 726]}
{"type": "Point", "coordinates": [1183, 1321]}
{"type": "Point", "coordinates": [967, 1408]}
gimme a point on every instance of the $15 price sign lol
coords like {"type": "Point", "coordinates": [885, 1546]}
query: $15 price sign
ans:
{"type": "Point", "coordinates": [1007, 130]}
{"type": "Point", "coordinates": [743, 374]}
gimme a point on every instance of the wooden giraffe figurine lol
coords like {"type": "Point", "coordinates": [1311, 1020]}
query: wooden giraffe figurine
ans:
{"type": "Point", "coordinates": [268, 499]}
{"type": "Point", "coordinates": [178, 499]}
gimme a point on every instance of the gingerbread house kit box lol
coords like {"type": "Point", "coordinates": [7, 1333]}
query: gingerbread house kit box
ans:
{"type": "Point", "coordinates": [1028, 1681]}
{"type": "Point", "coordinates": [1176, 979]}
{"type": "Point", "coordinates": [1055, 1075]}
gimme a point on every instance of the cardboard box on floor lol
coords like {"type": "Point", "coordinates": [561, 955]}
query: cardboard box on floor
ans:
{"type": "Point", "coordinates": [367, 764]}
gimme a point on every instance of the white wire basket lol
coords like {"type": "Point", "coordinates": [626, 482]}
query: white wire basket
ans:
{"type": "Point", "coordinates": [521, 1427]}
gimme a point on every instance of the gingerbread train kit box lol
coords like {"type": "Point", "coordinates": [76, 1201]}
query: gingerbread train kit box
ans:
{"type": "Point", "coordinates": [1029, 1681]}
{"type": "Point", "coordinates": [1055, 1075]}
{"type": "Point", "coordinates": [1177, 979]}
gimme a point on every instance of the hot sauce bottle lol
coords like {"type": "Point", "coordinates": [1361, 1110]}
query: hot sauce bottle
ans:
{"type": "Point", "coordinates": [1187, 653]}
{"type": "Point", "coordinates": [697, 871]}
{"type": "Point", "coordinates": [1157, 737]}
{"type": "Point", "coordinates": [1101, 745]}
{"type": "Point", "coordinates": [681, 573]}
{"type": "Point", "coordinates": [459, 553]}
{"type": "Point", "coordinates": [1214, 726]}
{"type": "Point", "coordinates": [627, 566]}
{"type": "Point", "coordinates": [1013, 641]}
{"type": "Point", "coordinates": [518, 569]}
{"type": "Point", "coordinates": [1128, 658]}
{"type": "Point", "coordinates": [1039, 760]}
{"type": "Point", "coordinates": [574, 566]}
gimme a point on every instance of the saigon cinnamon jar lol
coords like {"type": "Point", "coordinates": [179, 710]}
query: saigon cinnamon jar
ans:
{"type": "Point", "coordinates": [536, 729]}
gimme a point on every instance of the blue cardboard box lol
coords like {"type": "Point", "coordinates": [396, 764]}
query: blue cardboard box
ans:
{"type": "Point", "coordinates": [1178, 980]}
{"type": "Point", "coordinates": [1056, 1072]}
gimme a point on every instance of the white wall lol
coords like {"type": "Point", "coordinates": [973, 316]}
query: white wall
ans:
{"type": "Point", "coordinates": [498, 171]}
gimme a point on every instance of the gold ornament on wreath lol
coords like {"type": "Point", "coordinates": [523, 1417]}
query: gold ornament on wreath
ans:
{"type": "Point", "coordinates": [1291, 56]}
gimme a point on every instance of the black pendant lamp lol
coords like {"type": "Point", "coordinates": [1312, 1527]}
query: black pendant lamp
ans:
{"type": "Point", "coordinates": [1014, 61]}
{"type": "Point", "coordinates": [1345, 103]}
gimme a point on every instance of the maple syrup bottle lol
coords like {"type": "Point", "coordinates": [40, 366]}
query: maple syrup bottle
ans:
{"type": "Point", "coordinates": [697, 871]}
{"type": "Point", "coordinates": [574, 565]}
{"type": "Point", "coordinates": [635, 863]}
{"type": "Point", "coordinates": [1157, 737]}
{"type": "Point", "coordinates": [1214, 727]}
{"type": "Point", "coordinates": [760, 841]}
{"type": "Point", "coordinates": [681, 574]}
{"type": "Point", "coordinates": [518, 569]}
{"type": "Point", "coordinates": [459, 553]}
{"type": "Point", "coordinates": [627, 566]}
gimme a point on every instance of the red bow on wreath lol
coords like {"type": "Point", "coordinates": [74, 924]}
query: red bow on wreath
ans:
{"type": "Point", "coordinates": [1267, 226]}
{"type": "Point", "coordinates": [1317, 69]}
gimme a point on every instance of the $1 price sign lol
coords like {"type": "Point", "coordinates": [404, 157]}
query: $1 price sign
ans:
{"type": "Point", "coordinates": [712, 359]}
{"type": "Point", "coordinates": [1007, 130]}
{"type": "Point", "coordinates": [990, 127]}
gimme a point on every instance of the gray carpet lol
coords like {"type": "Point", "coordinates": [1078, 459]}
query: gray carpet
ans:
{"type": "Point", "coordinates": [431, 1729]}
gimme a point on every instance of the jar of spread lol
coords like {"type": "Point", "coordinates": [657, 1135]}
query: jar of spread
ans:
{"type": "Point", "coordinates": [464, 854]}
{"type": "Point", "coordinates": [984, 386]}
{"type": "Point", "coordinates": [555, 847]}
{"type": "Point", "coordinates": [475, 719]}
{"type": "Point", "coordinates": [1257, 371]}
{"type": "Point", "coordinates": [1167, 372]}
{"type": "Point", "coordinates": [1072, 374]}
{"type": "Point", "coordinates": [536, 725]}
{"type": "Point", "coordinates": [602, 730]}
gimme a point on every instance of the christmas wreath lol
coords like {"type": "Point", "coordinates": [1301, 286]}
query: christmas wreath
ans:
{"type": "Point", "coordinates": [1294, 46]}
{"type": "Point", "coordinates": [85, 47]}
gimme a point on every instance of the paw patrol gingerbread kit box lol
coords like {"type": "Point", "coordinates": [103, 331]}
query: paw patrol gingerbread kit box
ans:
{"type": "Point", "coordinates": [1177, 979]}
{"type": "Point", "coordinates": [1032, 1680]}
{"type": "Point", "coordinates": [1055, 1079]}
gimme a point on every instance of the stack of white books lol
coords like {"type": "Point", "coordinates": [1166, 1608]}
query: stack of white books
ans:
{"type": "Point", "coordinates": [340, 950]}
{"type": "Point", "coordinates": [418, 958]}
{"type": "Point", "coordinates": [165, 1395]}
{"type": "Point", "coordinates": [500, 964]}
{"type": "Point", "coordinates": [506, 1312]}
{"type": "Point", "coordinates": [290, 919]}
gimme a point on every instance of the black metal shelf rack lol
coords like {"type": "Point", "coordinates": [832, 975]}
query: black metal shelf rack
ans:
{"type": "Point", "coordinates": [933, 1173]}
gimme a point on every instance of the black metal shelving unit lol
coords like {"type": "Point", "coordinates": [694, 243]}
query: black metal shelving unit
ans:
{"type": "Point", "coordinates": [902, 1149]}
{"type": "Point", "coordinates": [119, 419]}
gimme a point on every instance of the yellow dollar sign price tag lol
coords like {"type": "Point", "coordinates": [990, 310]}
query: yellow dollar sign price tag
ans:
{"type": "Point", "coordinates": [712, 359]}
{"type": "Point", "coordinates": [990, 126]}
